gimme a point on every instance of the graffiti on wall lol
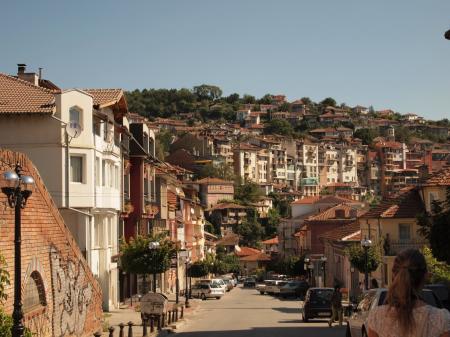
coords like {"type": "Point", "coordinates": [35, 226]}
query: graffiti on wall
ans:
{"type": "Point", "coordinates": [71, 295]}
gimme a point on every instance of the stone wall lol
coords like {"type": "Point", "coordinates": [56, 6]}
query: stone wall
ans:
{"type": "Point", "coordinates": [63, 297]}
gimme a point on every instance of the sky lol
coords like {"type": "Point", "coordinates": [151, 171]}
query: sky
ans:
{"type": "Point", "coordinates": [384, 53]}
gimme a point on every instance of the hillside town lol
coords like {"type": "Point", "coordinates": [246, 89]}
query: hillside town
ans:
{"type": "Point", "coordinates": [251, 186]}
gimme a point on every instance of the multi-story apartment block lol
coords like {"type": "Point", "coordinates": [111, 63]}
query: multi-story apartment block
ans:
{"type": "Point", "coordinates": [245, 162]}
{"type": "Point", "coordinates": [308, 163]}
{"type": "Point", "coordinates": [223, 148]}
{"type": "Point", "coordinates": [74, 138]}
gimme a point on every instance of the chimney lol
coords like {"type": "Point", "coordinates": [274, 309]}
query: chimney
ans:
{"type": "Point", "coordinates": [21, 67]}
{"type": "Point", "coordinates": [339, 213]}
{"type": "Point", "coordinates": [29, 77]}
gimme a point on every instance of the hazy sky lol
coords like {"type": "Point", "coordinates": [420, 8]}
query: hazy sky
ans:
{"type": "Point", "coordinates": [385, 53]}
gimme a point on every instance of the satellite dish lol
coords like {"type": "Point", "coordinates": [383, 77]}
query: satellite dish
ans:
{"type": "Point", "coordinates": [73, 129]}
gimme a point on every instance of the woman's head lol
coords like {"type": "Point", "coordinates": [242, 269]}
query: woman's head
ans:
{"type": "Point", "coordinates": [408, 277]}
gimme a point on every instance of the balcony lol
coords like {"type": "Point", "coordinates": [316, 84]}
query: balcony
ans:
{"type": "Point", "coordinates": [395, 247]}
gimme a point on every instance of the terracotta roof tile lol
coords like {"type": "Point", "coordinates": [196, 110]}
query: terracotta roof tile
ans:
{"type": "Point", "coordinates": [228, 240]}
{"type": "Point", "coordinates": [105, 97]}
{"type": "Point", "coordinates": [440, 178]}
{"type": "Point", "coordinates": [225, 205]}
{"type": "Point", "coordinates": [256, 257]}
{"type": "Point", "coordinates": [330, 213]}
{"type": "Point", "coordinates": [22, 97]}
{"type": "Point", "coordinates": [408, 204]}
{"type": "Point", "coordinates": [216, 181]}
{"type": "Point", "coordinates": [272, 241]}
{"type": "Point", "coordinates": [246, 251]}
{"type": "Point", "coordinates": [344, 233]}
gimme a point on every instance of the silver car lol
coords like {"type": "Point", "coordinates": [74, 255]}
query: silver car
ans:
{"type": "Point", "coordinates": [357, 323]}
{"type": "Point", "coordinates": [207, 290]}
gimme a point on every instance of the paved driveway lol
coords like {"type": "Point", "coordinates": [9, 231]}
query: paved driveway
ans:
{"type": "Point", "coordinates": [246, 313]}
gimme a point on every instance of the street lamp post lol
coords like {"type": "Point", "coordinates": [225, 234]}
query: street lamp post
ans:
{"type": "Point", "coordinates": [186, 291]}
{"type": "Point", "coordinates": [366, 244]}
{"type": "Point", "coordinates": [18, 189]}
{"type": "Point", "coordinates": [153, 246]}
{"type": "Point", "coordinates": [324, 262]}
{"type": "Point", "coordinates": [306, 262]}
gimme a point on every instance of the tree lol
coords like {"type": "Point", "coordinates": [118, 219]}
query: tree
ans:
{"type": "Point", "coordinates": [222, 171]}
{"type": "Point", "coordinates": [207, 92]}
{"type": "Point", "coordinates": [357, 257]}
{"type": "Point", "coordinates": [138, 258]}
{"type": "Point", "coordinates": [273, 219]}
{"type": "Point", "coordinates": [439, 271]}
{"type": "Point", "coordinates": [248, 99]}
{"type": "Point", "coordinates": [366, 135]}
{"type": "Point", "coordinates": [199, 269]}
{"type": "Point", "coordinates": [266, 99]}
{"type": "Point", "coordinates": [163, 140]}
{"type": "Point", "coordinates": [279, 126]}
{"type": "Point", "coordinates": [306, 100]}
{"type": "Point", "coordinates": [248, 192]}
{"type": "Point", "coordinates": [328, 102]}
{"type": "Point", "coordinates": [4, 279]}
{"type": "Point", "coordinates": [233, 98]}
{"type": "Point", "coordinates": [250, 232]}
{"type": "Point", "coordinates": [435, 228]}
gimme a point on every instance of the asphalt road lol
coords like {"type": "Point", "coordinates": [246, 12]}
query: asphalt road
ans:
{"type": "Point", "coordinates": [246, 313]}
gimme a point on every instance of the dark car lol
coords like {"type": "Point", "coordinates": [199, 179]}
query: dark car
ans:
{"type": "Point", "coordinates": [317, 303]}
{"type": "Point", "coordinates": [249, 282]}
{"type": "Point", "coordinates": [442, 293]}
{"type": "Point", "coordinates": [294, 289]}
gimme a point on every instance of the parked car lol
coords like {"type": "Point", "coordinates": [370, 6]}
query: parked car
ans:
{"type": "Point", "coordinates": [317, 303]}
{"type": "Point", "coordinates": [294, 289]}
{"type": "Point", "coordinates": [356, 324]}
{"type": "Point", "coordinates": [261, 287]}
{"type": "Point", "coordinates": [228, 283]}
{"type": "Point", "coordinates": [442, 293]}
{"type": "Point", "coordinates": [217, 281]}
{"type": "Point", "coordinates": [207, 290]}
{"type": "Point", "coordinates": [249, 282]}
{"type": "Point", "coordinates": [272, 288]}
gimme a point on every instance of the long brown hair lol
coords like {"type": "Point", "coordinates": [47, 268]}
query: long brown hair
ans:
{"type": "Point", "coordinates": [409, 273]}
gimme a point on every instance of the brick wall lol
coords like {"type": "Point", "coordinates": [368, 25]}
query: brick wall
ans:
{"type": "Point", "coordinates": [49, 249]}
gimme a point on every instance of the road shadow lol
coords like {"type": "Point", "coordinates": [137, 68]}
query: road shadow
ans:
{"type": "Point", "coordinates": [270, 332]}
{"type": "Point", "coordinates": [288, 310]}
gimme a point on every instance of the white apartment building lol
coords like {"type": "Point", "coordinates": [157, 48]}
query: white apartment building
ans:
{"type": "Point", "coordinates": [246, 162]}
{"type": "Point", "coordinates": [73, 137]}
{"type": "Point", "coordinates": [308, 164]}
{"type": "Point", "coordinates": [337, 164]}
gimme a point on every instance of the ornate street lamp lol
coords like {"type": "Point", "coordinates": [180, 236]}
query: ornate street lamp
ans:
{"type": "Point", "coordinates": [324, 261]}
{"type": "Point", "coordinates": [366, 244]}
{"type": "Point", "coordinates": [18, 189]}
{"type": "Point", "coordinates": [154, 245]}
{"type": "Point", "coordinates": [187, 293]}
{"type": "Point", "coordinates": [447, 34]}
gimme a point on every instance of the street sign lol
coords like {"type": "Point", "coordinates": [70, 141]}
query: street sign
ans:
{"type": "Point", "coordinates": [154, 304]}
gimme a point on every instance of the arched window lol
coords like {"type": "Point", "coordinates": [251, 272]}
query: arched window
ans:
{"type": "Point", "coordinates": [34, 296]}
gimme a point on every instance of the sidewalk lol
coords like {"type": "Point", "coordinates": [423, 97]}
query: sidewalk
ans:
{"type": "Point", "coordinates": [128, 313]}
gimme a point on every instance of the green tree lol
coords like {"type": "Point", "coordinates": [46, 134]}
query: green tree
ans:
{"type": "Point", "coordinates": [250, 232]}
{"type": "Point", "coordinates": [199, 269]}
{"type": "Point", "coordinates": [266, 99]}
{"type": "Point", "coordinates": [273, 219]}
{"type": "Point", "coordinates": [222, 171]}
{"type": "Point", "coordinates": [366, 135]}
{"type": "Point", "coordinates": [248, 99]}
{"type": "Point", "coordinates": [247, 192]}
{"type": "Point", "coordinates": [435, 227]}
{"type": "Point", "coordinates": [280, 127]}
{"type": "Point", "coordinates": [207, 92]}
{"type": "Point", "coordinates": [357, 257]}
{"type": "Point", "coordinates": [439, 271]}
{"type": "Point", "coordinates": [328, 102]}
{"type": "Point", "coordinates": [138, 258]}
{"type": "Point", "coordinates": [232, 99]}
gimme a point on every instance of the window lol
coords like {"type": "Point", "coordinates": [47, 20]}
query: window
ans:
{"type": "Point", "coordinates": [97, 126]}
{"type": "Point", "coordinates": [76, 169]}
{"type": "Point", "coordinates": [103, 173]}
{"type": "Point", "coordinates": [34, 294]}
{"type": "Point", "coordinates": [404, 232]}
{"type": "Point", "coordinates": [75, 115]}
{"type": "Point", "coordinates": [97, 171]}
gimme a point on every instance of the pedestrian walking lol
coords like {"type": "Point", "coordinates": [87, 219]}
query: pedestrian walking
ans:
{"type": "Point", "coordinates": [404, 314]}
{"type": "Point", "coordinates": [336, 306]}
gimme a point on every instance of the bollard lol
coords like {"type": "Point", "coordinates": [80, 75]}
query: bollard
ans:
{"type": "Point", "coordinates": [97, 334]}
{"type": "Point", "coordinates": [130, 329]}
{"type": "Point", "coordinates": [152, 325]}
{"type": "Point", "coordinates": [169, 317]}
{"type": "Point", "coordinates": [111, 331]}
{"type": "Point", "coordinates": [144, 326]}
{"type": "Point", "coordinates": [159, 322]}
{"type": "Point", "coordinates": [182, 311]}
{"type": "Point", "coordinates": [121, 326]}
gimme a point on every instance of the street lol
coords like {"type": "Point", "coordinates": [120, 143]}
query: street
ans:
{"type": "Point", "coordinates": [246, 313]}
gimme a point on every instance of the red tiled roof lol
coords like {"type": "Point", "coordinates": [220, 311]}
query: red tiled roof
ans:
{"type": "Point", "coordinates": [226, 205]}
{"type": "Point", "coordinates": [214, 181]}
{"type": "Point", "coordinates": [408, 204]}
{"type": "Point", "coordinates": [22, 97]}
{"type": "Point", "coordinates": [246, 147]}
{"type": "Point", "coordinates": [246, 251]}
{"type": "Point", "coordinates": [305, 201]}
{"type": "Point", "coordinates": [230, 239]}
{"type": "Point", "coordinates": [347, 232]}
{"type": "Point", "coordinates": [273, 241]}
{"type": "Point", "coordinates": [440, 178]}
{"type": "Point", "coordinates": [256, 257]}
{"type": "Point", "coordinates": [105, 97]}
{"type": "Point", "coordinates": [330, 213]}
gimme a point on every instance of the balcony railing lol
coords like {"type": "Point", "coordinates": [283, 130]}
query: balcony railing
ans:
{"type": "Point", "coordinates": [394, 247]}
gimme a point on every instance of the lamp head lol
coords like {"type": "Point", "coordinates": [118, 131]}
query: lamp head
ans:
{"type": "Point", "coordinates": [27, 183]}
{"type": "Point", "coordinates": [447, 34]}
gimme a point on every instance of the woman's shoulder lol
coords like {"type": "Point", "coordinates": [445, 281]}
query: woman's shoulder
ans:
{"type": "Point", "coordinates": [439, 317]}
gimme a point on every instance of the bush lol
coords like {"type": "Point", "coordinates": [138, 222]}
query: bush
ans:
{"type": "Point", "coordinates": [6, 323]}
